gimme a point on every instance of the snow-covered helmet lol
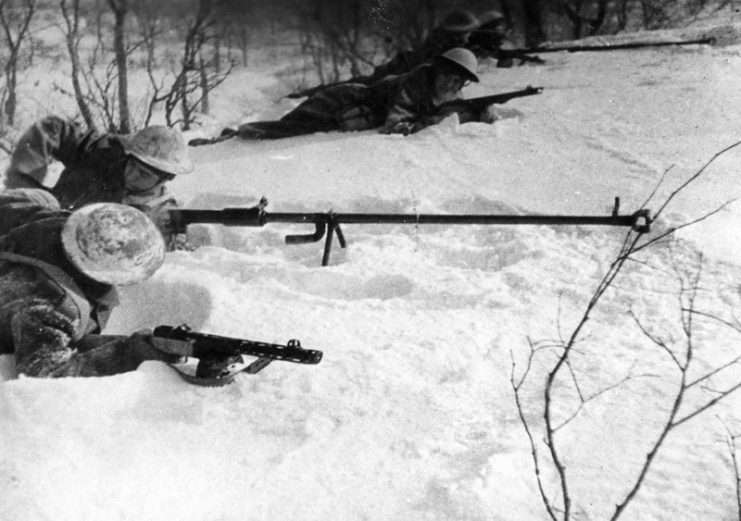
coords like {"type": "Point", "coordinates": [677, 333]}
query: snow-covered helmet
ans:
{"type": "Point", "coordinates": [464, 60]}
{"type": "Point", "coordinates": [460, 22]}
{"type": "Point", "coordinates": [160, 147]}
{"type": "Point", "coordinates": [113, 243]}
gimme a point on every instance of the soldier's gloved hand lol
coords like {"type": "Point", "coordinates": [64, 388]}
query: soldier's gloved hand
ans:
{"type": "Point", "coordinates": [145, 346]}
{"type": "Point", "coordinates": [161, 218]}
{"type": "Point", "coordinates": [402, 127]}
{"type": "Point", "coordinates": [356, 118]}
{"type": "Point", "coordinates": [488, 115]}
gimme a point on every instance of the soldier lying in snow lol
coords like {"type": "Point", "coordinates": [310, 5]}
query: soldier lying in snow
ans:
{"type": "Point", "coordinates": [58, 272]}
{"type": "Point", "coordinates": [126, 169]}
{"type": "Point", "coordinates": [398, 104]}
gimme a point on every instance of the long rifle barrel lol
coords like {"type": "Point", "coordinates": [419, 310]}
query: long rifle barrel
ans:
{"type": "Point", "coordinates": [328, 223]}
{"type": "Point", "coordinates": [613, 47]}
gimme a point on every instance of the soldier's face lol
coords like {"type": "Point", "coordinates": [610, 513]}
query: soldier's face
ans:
{"type": "Point", "coordinates": [458, 39]}
{"type": "Point", "coordinates": [139, 177]}
{"type": "Point", "coordinates": [448, 84]}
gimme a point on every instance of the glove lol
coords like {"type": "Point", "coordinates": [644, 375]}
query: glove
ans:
{"type": "Point", "coordinates": [488, 115]}
{"type": "Point", "coordinates": [145, 346]}
{"type": "Point", "coordinates": [403, 127]}
{"type": "Point", "coordinates": [159, 215]}
{"type": "Point", "coordinates": [357, 118]}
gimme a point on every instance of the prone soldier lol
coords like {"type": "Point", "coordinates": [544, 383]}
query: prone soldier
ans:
{"type": "Point", "coordinates": [126, 169]}
{"type": "Point", "coordinates": [58, 272]}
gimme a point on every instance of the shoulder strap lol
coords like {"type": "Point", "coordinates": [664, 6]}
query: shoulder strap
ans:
{"type": "Point", "coordinates": [64, 281]}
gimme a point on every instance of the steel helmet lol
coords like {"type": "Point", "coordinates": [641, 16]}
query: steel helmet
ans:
{"type": "Point", "coordinates": [113, 243]}
{"type": "Point", "coordinates": [463, 59]}
{"type": "Point", "coordinates": [460, 22]}
{"type": "Point", "coordinates": [160, 147]}
{"type": "Point", "coordinates": [491, 17]}
{"type": "Point", "coordinates": [493, 21]}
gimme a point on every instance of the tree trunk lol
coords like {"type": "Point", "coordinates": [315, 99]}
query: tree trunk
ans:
{"type": "Point", "coordinates": [533, 18]}
{"type": "Point", "coordinates": [72, 20]}
{"type": "Point", "coordinates": [13, 21]}
{"type": "Point", "coordinates": [120, 8]}
{"type": "Point", "coordinates": [205, 106]}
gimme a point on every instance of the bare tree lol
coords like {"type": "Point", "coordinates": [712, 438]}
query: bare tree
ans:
{"type": "Point", "coordinates": [15, 18]}
{"type": "Point", "coordinates": [533, 20]}
{"type": "Point", "coordinates": [733, 452]}
{"type": "Point", "coordinates": [71, 15]}
{"type": "Point", "coordinates": [582, 22]}
{"type": "Point", "coordinates": [682, 355]}
{"type": "Point", "coordinates": [193, 79]}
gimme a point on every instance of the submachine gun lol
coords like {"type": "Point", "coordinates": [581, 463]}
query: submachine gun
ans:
{"type": "Point", "coordinates": [327, 224]}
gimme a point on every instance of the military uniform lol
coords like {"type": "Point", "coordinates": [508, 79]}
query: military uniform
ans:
{"type": "Point", "coordinates": [48, 308]}
{"type": "Point", "coordinates": [439, 41]}
{"type": "Point", "coordinates": [453, 32]}
{"type": "Point", "coordinates": [406, 98]}
{"type": "Point", "coordinates": [93, 166]}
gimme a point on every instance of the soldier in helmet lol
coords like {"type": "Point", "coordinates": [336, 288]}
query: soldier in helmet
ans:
{"type": "Point", "coordinates": [490, 40]}
{"type": "Point", "coordinates": [58, 272]}
{"type": "Point", "coordinates": [453, 32]}
{"type": "Point", "coordinates": [417, 95]}
{"type": "Point", "coordinates": [126, 169]}
{"type": "Point", "coordinates": [400, 104]}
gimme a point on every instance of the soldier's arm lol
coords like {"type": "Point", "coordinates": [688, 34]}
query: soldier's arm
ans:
{"type": "Point", "coordinates": [42, 337]}
{"type": "Point", "coordinates": [20, 206]}
{"type": "Point", "coordinates": [51, 138]}
{"type": "Point", "coordinates": [402, 115]}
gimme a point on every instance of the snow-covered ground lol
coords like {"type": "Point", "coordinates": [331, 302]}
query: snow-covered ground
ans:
{"type": "Point", "coordinates": [411, 414]}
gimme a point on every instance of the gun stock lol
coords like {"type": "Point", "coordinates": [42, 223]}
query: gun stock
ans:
{"type": "Point", "coordinates": [328, 223]}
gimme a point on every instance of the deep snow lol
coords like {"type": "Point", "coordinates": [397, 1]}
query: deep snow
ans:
{"type": "Point", "coordinates": [411, 414]}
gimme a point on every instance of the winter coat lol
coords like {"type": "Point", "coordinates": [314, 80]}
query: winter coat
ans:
{"type": "Point", "coordinates": [93, 166]}
{"type": "Point", "coordinates": [408, 99]}
{"type": "Point", "coordinates": [47, 306]}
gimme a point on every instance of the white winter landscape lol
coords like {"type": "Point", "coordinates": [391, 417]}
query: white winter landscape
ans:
{"type": "Point", "coordinates": [411, 415]}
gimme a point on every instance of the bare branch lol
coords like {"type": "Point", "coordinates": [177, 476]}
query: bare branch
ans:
{"type": "Point", "coordinates": [694, 177]}
{"type": "Point", "coordinates": [723, 395]}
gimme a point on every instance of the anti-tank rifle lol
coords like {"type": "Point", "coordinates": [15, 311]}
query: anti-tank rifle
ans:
{"type": "Point", "coordinates": [327, 224]}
